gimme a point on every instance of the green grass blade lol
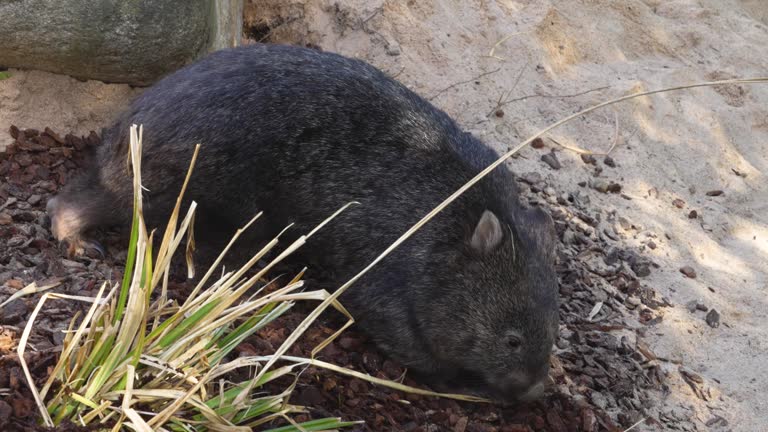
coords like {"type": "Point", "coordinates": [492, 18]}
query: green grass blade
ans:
{"type": "Point", "coordinates": [245, 326]}
{"type": "Point", "coordinates": [246, 329]}
{"type": "Point", "coordinates": [188, 323]}
{"type": "Point", "coordinates": [130, 261]}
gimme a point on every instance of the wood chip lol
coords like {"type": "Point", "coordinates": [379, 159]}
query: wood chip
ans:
{"type": "Point", "coordinates": [688, 271]}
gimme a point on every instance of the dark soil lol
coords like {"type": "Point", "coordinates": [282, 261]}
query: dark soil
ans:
{"type": "Point", "coordinates": [604, 377]}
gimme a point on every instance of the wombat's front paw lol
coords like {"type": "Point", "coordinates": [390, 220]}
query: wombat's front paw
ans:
{"type": "Point", "coordinates": [81, 246]}
{"type": "Point", "coordinates": [67, 225]}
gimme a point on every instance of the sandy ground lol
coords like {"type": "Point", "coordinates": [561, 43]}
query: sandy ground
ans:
{"type": "Point", "coordinates": [35, 99]}
{"type": "Point", "coordinates": [543, 60]}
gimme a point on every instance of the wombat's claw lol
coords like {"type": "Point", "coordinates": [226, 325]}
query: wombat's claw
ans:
{"type": "Point", "coordinates": [82, 247]}
{"type": "Point", "coordinates": [93, 245]}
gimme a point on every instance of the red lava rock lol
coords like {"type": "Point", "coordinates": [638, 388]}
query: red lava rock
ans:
{"type": "Point", "coordinates": [677, 202]}
{"type": "Point", "coordinates": [688, 271]}
{"type": "Point", "coordinates": [714, 193]}
{"type": "Point", "coordinates": [738, 173]}
{"type": "Point", "coordinates": [412, 397]}
{"type": "Point", "coordinates": [8, 340]}
{"type": "Point", "coordinates": [14, 283]}
{"type": "Point", "coordinates": [349, 343]}
{"type": "Point", "coordinates": [716, 421]}
{"type": "Point", "coordinates": [24, 217]}
{"type": "Point", "coordinates": [329, 384]}
{"type": "Point", "coordinates": [23, 159]}
{"type": "Point", "coordinates": [588, 420]}
{"type": "Point", "coordinates": [378, 422]}
{"type": "Point", "coordinates": [439, 417]}
{"type": "Point", "coordinates": [31, 146]}
{"type": "Point", "coordinates": [713, 318]}
{"type": "Point", "coordinates": [15, 378]}
{"type": "Point", "coordinates": [246, 349]}
{"type": "Point", "coordinates": [56, 137]}
{"type": "Point", "coordinates": [93, 139]}
{"type": "Point", "coordinates": [461, 425]}
{"type": "Point", "coordinates": [614, 187]}
{"type": "Point", "coordinates": [693, 214]}
{"type": "Point", "coordinates": [22, 407]}
{"type": "Point", "coordinates": [537, 143]}
{"type": "Point", "coordinates": [551, 160]}
{"type": "Point", "coordinates": [301, 418]}
{"type": "Point", "coordinates": [392, 369]}
{"type": "Point", "coordinates": [46, 142]}
{"type": "Point", "coordinates": [34, 199]}
{"type": "Point", "coordinates": [372, 361]}
{"type": "Point", "coordinates": [515, 428]}
{"type": "Point", "coordinates": [13, 312]}
{"type": "Point", "coordinates": [73, 141]}
{"type": "Point", "coordinates": [275, 336]}
{"type": "Point", "coordinates": [539, 423]}
{"type": "Point", "coordinates": [499, 113]}
{"type": "Point", "coordinates": [5, 411]}
{"type": "Point", "coordinates": [358, 386]}
{"type": "Point", "coordinates": [39, 171]}
{"type": "Point", "coordinates": [309, 396]}
{"type": "Point", "coordinates": [480, 427]}
{"type": "Point", "coordinates": [555, 422]}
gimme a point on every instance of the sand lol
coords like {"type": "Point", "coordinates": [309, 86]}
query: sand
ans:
{"type": "Point", "coordinates": [35, 99]}
{"type": "Point", "coordinates": [544, 60]}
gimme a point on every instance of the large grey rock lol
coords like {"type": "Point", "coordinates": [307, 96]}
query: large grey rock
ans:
{"type": "Point", "coordinates": [125, 41]}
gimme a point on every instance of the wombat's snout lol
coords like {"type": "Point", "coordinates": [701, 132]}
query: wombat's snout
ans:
{"type": "Point", "coordinates": [522, 387]}
{"type": "Point", "coordinates": [65, 220]}
{"type": "Point", "coordinates": [52, 209]}
{"type": "Point", "coordinates": [534, 392]}
{"type": "Point", "coordinates": [67, 224]}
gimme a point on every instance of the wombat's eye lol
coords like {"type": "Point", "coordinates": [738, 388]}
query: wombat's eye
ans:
{"type": "Point", "coordinates": [514, 342]}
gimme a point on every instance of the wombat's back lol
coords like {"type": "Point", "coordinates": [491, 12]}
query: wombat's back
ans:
{"type": "Point", "coordinates": [279, 98]}
{"type": "Point", "coordinates": [296, 133]}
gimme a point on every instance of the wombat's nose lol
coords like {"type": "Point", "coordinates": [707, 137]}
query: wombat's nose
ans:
{"type": "Point", "coordinates": [522, 388]}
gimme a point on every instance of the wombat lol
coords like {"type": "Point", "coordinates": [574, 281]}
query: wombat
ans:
{"type": "Point", "coordinates": [469, 302]}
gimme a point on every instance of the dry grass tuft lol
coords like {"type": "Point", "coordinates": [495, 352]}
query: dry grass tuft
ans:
{"type": "Point", "coordinates": [140, 361]}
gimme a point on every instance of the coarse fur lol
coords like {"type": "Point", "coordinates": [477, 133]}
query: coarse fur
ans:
{"type": "Point", "coordinates": [470, 301]}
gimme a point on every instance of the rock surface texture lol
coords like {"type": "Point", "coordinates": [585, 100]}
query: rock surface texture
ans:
{"type": "Point", "coordinates": [132, 42]}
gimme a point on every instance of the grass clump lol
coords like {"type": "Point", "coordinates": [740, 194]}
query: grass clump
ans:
{"type": "Point", "coordinates": [139, 361]}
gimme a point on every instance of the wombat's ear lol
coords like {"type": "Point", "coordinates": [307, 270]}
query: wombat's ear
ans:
{"type": "Point", "coordinates": [488, 233]}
